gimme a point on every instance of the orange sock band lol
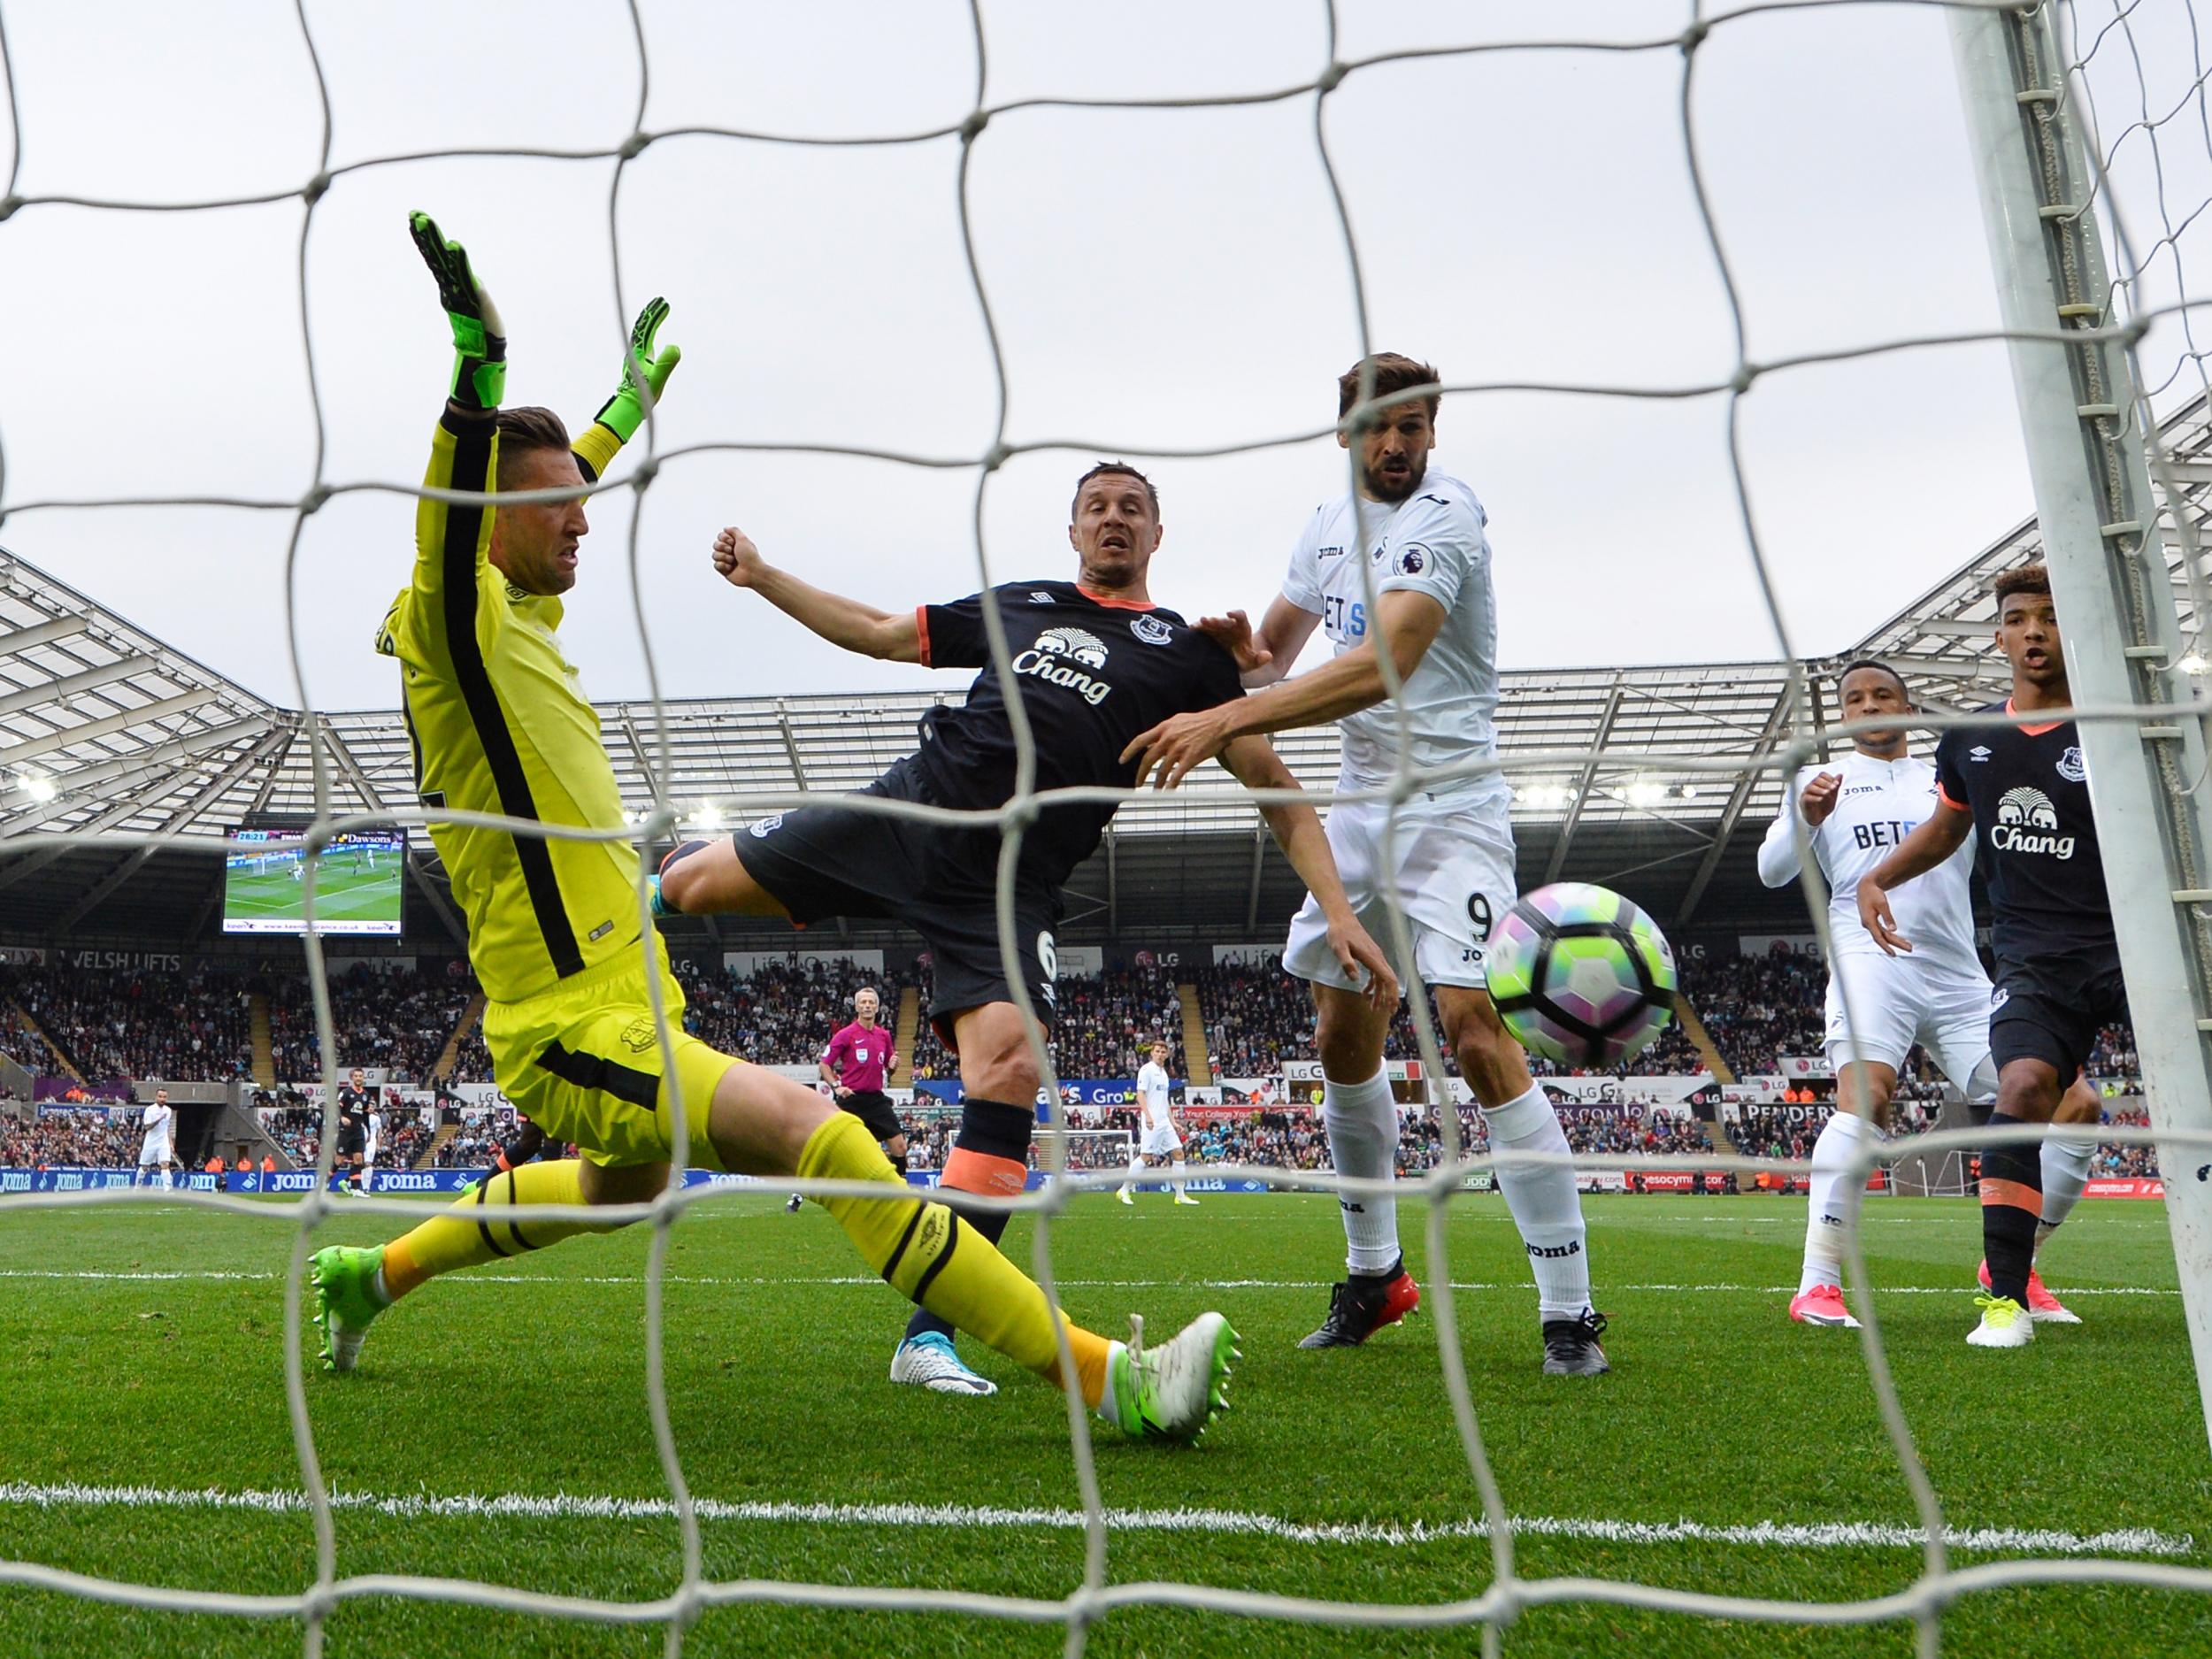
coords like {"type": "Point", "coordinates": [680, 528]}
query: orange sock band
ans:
{"type": "Point", "coordinates": [967, 1170]}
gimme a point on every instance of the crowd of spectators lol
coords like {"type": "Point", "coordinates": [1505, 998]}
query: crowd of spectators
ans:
{"type": "Point", "coordinates": [87, 1140]}
{"type": "Point", "coordinates": [1757, 1009]}
{"type": "Point", "coordinates": [782, 1013]}
{"type": "Point", "coordinates": [183, 1027]}
{"type": "Point", "coordinates": [2112, 1160]}
{"type": "Point", "coordinates": [1106, 1023]}
{"type": "Point", "coordinates": [399, 1020]}
{"type": "Point", "coordinates": [1778, 1132]}
{"type": "Point", "coordinates": [1288, 1138]}
{"type": "Point", "coordinates": [479, 1138]}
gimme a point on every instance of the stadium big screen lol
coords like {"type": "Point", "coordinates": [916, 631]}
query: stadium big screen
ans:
{"type": "Point", "coordinates": [357, 881]}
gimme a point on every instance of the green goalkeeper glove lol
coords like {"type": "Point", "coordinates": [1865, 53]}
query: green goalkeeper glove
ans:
{"type": "Point", "coordinates": [622, 414]}
{"type": "Point", "coordinates": [479, 348]}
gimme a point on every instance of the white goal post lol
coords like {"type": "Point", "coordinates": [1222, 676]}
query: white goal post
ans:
{"type": "Point", "coordinates": [2087, 424]}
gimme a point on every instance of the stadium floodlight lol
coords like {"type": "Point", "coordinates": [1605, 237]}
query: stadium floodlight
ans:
{"type": "Point", "coordinates": [38, 786]}
{"type": "Point", "coordinates": [2192, 665]}
{"type": "Point", "coordinates": [708, 816]}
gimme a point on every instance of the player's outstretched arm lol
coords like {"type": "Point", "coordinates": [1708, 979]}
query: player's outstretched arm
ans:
{"type": "Point", "coordinates": [1405, 619]}
{"type": "Point", "coordinates": [1264, 655]}
{"type": "Point", "coordinates": [861, 629]}
{"type": "Point", "coordinates": [1936, 840]}
{"type": "Point", "coordinates": [464, 450]}
{"type": "Point", "coordinates": [644, 377]}
{"type": "Point", "coordinates": [1297, 830]}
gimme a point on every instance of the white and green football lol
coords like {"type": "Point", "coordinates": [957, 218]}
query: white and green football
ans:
{"type": "Point", "coordinates": [1581, 975]}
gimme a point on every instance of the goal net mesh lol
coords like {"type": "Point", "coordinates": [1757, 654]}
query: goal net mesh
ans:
{"type": "Point", "coordinates": [2143, 113]}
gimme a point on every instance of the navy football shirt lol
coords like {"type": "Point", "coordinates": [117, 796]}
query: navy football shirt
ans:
{"type": "Point", "coordinates": [1094, 673]}
{"type": "Point", "coordinates": [2028, 788]}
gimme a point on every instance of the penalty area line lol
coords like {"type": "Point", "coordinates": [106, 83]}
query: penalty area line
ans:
{"type": "Point", "coordinates": [1237, 1523]}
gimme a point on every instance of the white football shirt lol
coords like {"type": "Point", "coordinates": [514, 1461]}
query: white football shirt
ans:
{"type": "Point", "coordinates": [1880, 803]}
{"type": "Point", "coordinates": [1153, 1086]}
{"type": "Point", "coordinates": [160, 1124]}
{"type": "Point", "coordinates": [1432, 542]}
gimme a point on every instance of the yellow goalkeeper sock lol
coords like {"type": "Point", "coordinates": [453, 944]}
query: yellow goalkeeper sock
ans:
{"type": "Point", "coordinates": [931, 1256]}
{"type": "Point", "coordinates": [475, 1233]}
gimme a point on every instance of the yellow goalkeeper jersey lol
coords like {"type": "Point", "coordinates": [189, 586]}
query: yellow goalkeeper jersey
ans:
{"type": "Point", "coordinates": [499, 724]}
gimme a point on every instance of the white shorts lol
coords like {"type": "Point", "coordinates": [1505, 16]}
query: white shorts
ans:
{"type": "Point", "coordinates": [368, 1154]}
{"type": "Point", "coordinates": [1452, 872]}
{"type": "Point", "coordinates": [1899, 1001]}
{"type": "Point", "coordinates": [154, 1152]}
{"type": "Point", "coordinates": [1161, 1143]}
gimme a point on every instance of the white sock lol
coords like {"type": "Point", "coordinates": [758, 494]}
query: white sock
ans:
{"type": "Point", "coordinates": [1177, 1181]}
{"type": "Point", "coordinates": [1363, 1124]}
{"type": "Point", "coordinates": [1136, 1169]}
{"type": "Point", "coordinates": [1545, 1205]}
{"type": "Point", "coordinates": [1829, 1215]}
{"type": "Point", "coordinates": [2065, 1170]}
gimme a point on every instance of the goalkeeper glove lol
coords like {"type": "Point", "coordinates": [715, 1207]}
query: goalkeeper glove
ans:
{"type": "Point", "coordinates": [480, 359]}
{"type": "Point", "coordinates": [622, 414]}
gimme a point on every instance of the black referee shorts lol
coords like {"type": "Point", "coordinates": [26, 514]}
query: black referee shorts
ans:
{"type": "Point", "coordinates": [2051, 1008]}
{"type": "Point", "coordinates": [941, 879]}
{"type": "Point", "coordinates": [873, 1108]}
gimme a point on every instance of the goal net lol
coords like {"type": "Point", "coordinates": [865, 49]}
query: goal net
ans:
{"type": "Point", "coordinates": [1756, 280]}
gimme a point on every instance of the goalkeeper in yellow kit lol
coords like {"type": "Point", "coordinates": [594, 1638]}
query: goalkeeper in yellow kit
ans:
{"type": "Point", "coordinates": [499, 726]}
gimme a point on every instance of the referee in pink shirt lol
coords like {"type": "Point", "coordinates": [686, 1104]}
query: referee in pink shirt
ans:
{"type": "Point", "coordinates": [854, 1066]}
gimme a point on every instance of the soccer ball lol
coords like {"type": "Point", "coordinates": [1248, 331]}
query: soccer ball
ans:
{"type": "Point", "coordinates": [1581, 976]}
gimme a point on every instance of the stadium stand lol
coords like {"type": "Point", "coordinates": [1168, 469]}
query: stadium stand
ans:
{"type": "Point", "coordinates": [65, 1139]}
{"type": "Point", "coordinates": [181, 1027]}
{"type": "Point", "coordinates": [399, 1020]}
{"type": "Point", "coordinates": [121, 1028]}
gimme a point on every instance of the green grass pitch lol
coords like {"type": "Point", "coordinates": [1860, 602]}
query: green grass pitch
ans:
{"type": "Point", "coordinates": [342, 893]}
{"type": "Point", "coordinates": [143, 1350]}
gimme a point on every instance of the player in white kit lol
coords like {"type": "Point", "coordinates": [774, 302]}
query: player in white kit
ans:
{"type": "Point", "coordinates": [1413, 539]}
{"type": "Point", "coordinates": [1856, 811]}
{"type": "Point", "coordinates": [367, 1174]}
{"type": "Point", "coordinates": [158, 1149]}
{"type": "Point", "coordinates": [1159, 1138]}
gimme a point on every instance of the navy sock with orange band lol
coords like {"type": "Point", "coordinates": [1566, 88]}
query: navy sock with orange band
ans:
{"type": "Point", "coordinates": [2012, 1204]}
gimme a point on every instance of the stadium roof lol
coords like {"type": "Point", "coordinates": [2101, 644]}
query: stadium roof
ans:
{"type": "Point", "coordinates": [104, 730]}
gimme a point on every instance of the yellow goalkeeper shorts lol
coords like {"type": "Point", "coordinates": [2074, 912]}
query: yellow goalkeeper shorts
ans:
{"type": "Point", "coordinates": [585, 1061]}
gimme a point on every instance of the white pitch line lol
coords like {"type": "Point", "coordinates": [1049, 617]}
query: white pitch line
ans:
{"type": "Point", "coordinates": [568, 1505]}
{"type": "Point", "coordinates": [832, 1280]}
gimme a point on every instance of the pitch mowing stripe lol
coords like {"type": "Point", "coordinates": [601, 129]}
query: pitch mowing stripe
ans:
{"type": "Point", "coordinates": [569, 1505]}
{"type": "Point", "coordinates": [550, 1277]}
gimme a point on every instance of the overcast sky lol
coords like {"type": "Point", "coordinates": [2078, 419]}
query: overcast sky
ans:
{"type": "Point", "coordinates": [1159, 278]}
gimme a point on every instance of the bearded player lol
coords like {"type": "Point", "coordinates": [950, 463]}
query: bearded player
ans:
{"type": "Point", "coordinates": [1413, 537]}
{"type": "Point", "coordinates": [2023, 791]}
{"type": "Point", "coordinates": [558, 941]}
{"type": "Point", "coordinates": [1856, 811]}
{"type": "Point", "coordinates": [1095, 663]}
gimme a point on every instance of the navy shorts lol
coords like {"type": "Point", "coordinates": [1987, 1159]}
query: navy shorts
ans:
{"type": "Point", "coordinates": [2051, 1009]}
{"type": "Point", "coordinates": [939, 879]}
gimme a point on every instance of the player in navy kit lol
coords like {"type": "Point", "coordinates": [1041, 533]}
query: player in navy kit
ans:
{"type": "Point", "coordinates": [2023, 790]}
{"type": "Point", "coordinates": [1098, 662]}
